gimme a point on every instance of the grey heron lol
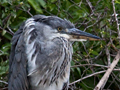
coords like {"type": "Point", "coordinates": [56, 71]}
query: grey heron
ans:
{"type": "Point", "coordinates": [41, 52]}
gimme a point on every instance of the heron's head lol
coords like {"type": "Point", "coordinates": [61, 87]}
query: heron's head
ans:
{"type": "Point", "coordinates": [57, 27]}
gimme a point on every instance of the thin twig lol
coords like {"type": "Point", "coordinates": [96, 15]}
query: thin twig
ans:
{"type": "Point", "coordinates": [87, 77]}
{"type": "Point", "coordinates": [28, 11]}
{"type": "Point", "coordinates": [97, 21]}
{"type": "Point", "coordinates": [3, 82]}
{"type": "Point", "coordinates": [97, 65]}
{"type": "Point", "coordinates": [85, 48]}
{"type": "Point", "coordinates": [10, 30]}
{"type": "Point", "coordinates": [6, 30]}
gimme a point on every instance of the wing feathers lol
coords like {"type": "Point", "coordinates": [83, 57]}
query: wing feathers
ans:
{"type": "Point", "coordinates": [17, 70]}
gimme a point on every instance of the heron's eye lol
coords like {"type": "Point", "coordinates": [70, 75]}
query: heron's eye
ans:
{"type": "Point", "coordinates": [59, 29]}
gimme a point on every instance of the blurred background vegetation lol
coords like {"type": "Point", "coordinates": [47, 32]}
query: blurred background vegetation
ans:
{"type": "Point", "coordinates": [90, 57]}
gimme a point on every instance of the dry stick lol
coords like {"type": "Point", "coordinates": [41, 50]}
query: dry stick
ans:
{"type": "Point", "coordinates": [90, 5]}
{"type": "Point", "coordinates": [108, 56]}
{"type": "Point", "coordinates": [113, 3]}
{"type": "Point", "coordinates": [87, 77]}
{"type": "Point", "coordinates": [91, 76]}
{"type": "Point", "coordinates": [97, 65]}
{"type": "Point", "coordinates": [104, 79]}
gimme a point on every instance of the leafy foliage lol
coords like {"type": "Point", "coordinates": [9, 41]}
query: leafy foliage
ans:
{"type": "Point", "coordinates": [93, 16]}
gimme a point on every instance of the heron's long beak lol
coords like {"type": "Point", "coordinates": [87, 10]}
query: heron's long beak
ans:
{"type": "Point", "coordinates": [78, 35]}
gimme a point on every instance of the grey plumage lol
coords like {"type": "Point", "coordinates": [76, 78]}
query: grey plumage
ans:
{"type": "Point", "coordinates": [41, 53]}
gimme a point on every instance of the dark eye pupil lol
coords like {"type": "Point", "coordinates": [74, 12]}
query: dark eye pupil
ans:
{"type": "Point", "coordinates": [59, 28]}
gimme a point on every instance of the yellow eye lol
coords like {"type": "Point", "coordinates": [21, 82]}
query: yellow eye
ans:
{"type": "Point", "coordinates": [59, 28]}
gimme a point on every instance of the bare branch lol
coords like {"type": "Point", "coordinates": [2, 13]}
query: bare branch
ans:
{"type": "Point", "coordinates": [108, 56]}
{"type": "Point", "coordinates": [116, 19]}
{"type": "Point", "coordinates": [87, 77]}
{"type": "Point", "coordinates": [104, 79]}
{"type": "Point", "coordinates": [90, 5]}
{"type": "Point", "coordinates": [91, 76]}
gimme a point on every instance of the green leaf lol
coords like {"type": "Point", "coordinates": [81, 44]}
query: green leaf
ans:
{"type": "Point", "coordinates": [35, 5]}
{"type": "Point", "coordinates": [94, 52]}
{"type": "Point", "coordinates": [53, 1]}
{"type": "Point", "coordinates": [3, 67]}
{"type": "Point", "coordinates": [3, 32]}
{"type": "Point", "coordinates": [72, 63]}
{"type": "Point", "coordinates": [79, 71]}
{"type": "Point", "coordinates": [42, 3]}
{"type": "Point", "coordinates": [116, 1]}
